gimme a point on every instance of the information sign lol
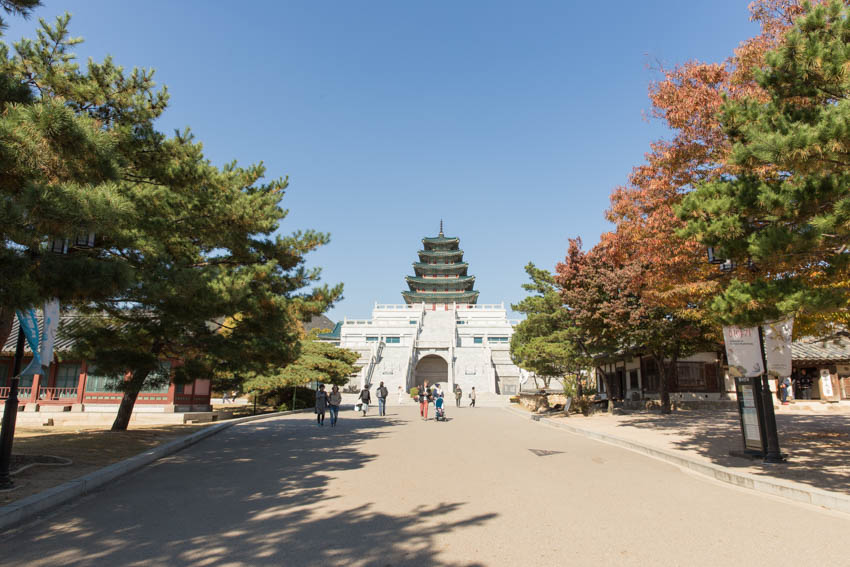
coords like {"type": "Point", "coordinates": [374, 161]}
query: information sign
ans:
{"type": "Point", "coordinates": [748, 411]}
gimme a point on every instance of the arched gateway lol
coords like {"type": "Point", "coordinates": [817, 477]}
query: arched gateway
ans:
{"type": "Point", "coordinates": [433, 369]}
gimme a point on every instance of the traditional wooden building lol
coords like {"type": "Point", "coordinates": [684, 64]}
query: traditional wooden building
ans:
{"type": "Point", "coordinates": [76, 385]}
{"type": "Point", "coordinates": [821, 367]}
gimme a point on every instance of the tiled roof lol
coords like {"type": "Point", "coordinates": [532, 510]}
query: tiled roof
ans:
{"type": "Point", "coordinates": [63, 341]}
{"type": "Point", "coordinates": [318, 322]}
{"type": "Point", "coordinates": [335, 334]}
{"type": "Point", "coordinates": [835, 348]}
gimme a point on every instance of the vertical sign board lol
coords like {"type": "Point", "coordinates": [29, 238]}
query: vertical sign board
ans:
{"type": "Point", "coordinates": [748, 411]}
{"type": "Point", "coordinates": [826, 384]}
{"type": "Point", "coordinates": [743, 351]}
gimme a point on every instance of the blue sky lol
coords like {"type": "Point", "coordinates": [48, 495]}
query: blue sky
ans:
{"type": "Point", "coordinates": [512, 121]}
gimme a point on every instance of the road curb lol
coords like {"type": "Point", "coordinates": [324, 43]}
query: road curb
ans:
{"type": "Point", "coordinates": [787, 489]}
{"type": "Point", "coordinates": [24, 509]}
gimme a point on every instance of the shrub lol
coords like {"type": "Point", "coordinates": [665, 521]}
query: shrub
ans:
{"type": "Point", "coordinates": [282, 398]}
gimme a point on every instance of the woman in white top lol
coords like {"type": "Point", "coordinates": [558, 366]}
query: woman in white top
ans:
{"type": "Point", "coordinates": [400, 395]}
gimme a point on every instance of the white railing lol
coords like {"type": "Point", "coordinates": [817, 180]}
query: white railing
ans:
{"type": "Point", "coordinates": [483, 306]}
{"type": "Point", "coordinates": [398, 307]}
{"type": "Point", "coordinates": [420, 306]}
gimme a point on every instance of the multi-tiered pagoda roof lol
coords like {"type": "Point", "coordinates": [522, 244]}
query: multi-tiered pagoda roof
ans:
{"type": "Point", "coordinates": [440, 274]}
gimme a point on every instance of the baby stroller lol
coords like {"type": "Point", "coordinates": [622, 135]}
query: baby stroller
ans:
{"type": "Point", "coordinates": [439, 410]}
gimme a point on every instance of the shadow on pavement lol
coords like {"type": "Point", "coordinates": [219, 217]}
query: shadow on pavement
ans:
{"type": "Point", "coordinates": [241, 497]}
{"type": "Point", "coordinates": [818, 445]}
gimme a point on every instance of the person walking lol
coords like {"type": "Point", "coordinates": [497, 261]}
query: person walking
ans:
{"type": "Point", "coordinates": [424, 394]}
{"type": "Point", "coordinates": [382, 394]}
{"type": "Point", "coordinates": [785, 390]}
{"type": "Point", "coordinates": [321, 404]}
{"type": "Point", "coordinates": [472, 397]}
{"type": "Point", "coordinates": [334, 401]}
{"type": "Point", "coordinates": [458, 395]}
{"type": "Point", "coordinates": [365, 399]}
{"type": "Point", "coordinates": [400, 395]}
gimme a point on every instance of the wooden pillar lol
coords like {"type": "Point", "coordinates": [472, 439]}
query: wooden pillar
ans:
{"type": "Point", "coordinates": [81, 382]}
{"type": "Point", "coordinates": [36, 384]}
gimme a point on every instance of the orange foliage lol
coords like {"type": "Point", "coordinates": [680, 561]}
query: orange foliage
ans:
{"type": "Point", "coordinates": [688, 99]}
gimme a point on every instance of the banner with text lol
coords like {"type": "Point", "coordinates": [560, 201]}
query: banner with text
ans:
{"type": "Point", "coordinates": [743, 350]}
{"type": "Point", "coordinates": [777, 347]}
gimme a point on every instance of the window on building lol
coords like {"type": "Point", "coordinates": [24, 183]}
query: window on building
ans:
{"type": "Point", "coordinates": [696, 377]}
{"type": "Point", "coordinates": [477, 340]}
{"type": "Point", "coordinates": [633, 379]}
{"type": "Point", "coordinates": [392, 340]}
{"type": "Point", "coordinates": [649, 370]}
{"type": "Point", "coordinates": [497, 339]}
{"type": "Point", "coordinates": [413, 321]}
{"type": "Point", "coordinates": [98, 382]}
{"type": "Point", "coordinates": [67, 375]}
{"type": "Point", "coordinates": [158, 381]}
{"type": "Point", "coordinates": [4, 374]}
{"type": "Point", "coordinates": [371, 339]}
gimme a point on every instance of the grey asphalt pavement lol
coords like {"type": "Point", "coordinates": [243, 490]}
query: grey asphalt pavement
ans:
{"type": "Point", "coordinates": [485, 488]}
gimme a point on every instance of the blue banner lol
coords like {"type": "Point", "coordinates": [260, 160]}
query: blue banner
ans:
{"type": "Point", "coordinates": [29, 323]}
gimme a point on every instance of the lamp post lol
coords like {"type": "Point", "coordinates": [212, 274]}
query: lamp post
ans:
{"type": "Point", "coordinates": [762, 396]}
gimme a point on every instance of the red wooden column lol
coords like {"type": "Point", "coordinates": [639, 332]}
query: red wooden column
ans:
{"type": "Point", "coordinates": [36, 384]}
{"type": "Point", "coordinates": [81, 382]}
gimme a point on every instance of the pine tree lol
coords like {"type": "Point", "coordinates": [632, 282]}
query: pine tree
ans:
{"type": "Point", "coordinates": [786, 210]}
{"type": "Point", "coordinates": [68, 140]}
{"type": "Point", "coordinates": [184, 247]}
{"type": "Point", "coordinates": [317, 362]}
{"type": "Point", "coordinates": [542, 342]}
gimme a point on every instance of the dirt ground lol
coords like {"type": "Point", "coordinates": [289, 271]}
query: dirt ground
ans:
{"type": "Point", "coordinates": [88, 449]}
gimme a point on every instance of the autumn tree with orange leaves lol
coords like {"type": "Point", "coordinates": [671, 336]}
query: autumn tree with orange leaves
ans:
{"type": "Point", "coordinates": [688, 99]}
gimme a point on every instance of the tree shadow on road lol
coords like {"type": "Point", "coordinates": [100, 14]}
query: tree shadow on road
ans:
{"type": "Point", "coordinates": [251, 490]}
{"type": "Point", "coordinates": [818, 445]}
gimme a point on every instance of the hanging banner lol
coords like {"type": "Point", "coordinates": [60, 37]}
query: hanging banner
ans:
{"type": "Point", "coordinates": [743, 351]}
{"type": "Point", "coordinates": [777, 347]}
{"type": "Point", "coordinates": [49, 326]}
{"type": "Point", "coordinates": [29, 323]}
{"type": "Point", "coordinates": [826, 384]}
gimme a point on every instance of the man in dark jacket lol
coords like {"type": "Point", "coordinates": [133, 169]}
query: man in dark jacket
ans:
{"type": "Point", "coordinates": [382, 394]}
{"type": "Point", "coordinates": [365, 399]}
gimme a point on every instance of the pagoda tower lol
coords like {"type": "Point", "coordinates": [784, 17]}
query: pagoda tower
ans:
{"type": "Point", "coordinates": [440, 274]}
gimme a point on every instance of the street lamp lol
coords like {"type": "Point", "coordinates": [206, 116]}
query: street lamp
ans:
{"type": "Point", "coordinates": [760, 387]}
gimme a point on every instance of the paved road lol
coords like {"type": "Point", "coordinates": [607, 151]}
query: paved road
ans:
{"type": "Point", "coordinates": [486, 488]}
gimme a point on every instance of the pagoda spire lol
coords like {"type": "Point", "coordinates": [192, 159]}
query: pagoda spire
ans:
{"type": "Point", "coordinates": [440, 274]}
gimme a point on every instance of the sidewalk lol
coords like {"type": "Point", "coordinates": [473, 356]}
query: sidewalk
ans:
{"type": "Point", "coordinates": [817, 445]}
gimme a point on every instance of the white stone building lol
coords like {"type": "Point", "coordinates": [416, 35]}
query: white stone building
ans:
{"type": "Point", "coordinates": [440, 335]}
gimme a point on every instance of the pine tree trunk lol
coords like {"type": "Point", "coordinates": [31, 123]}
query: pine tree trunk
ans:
{"type": "Point", "coordinates": [664, 385]}
{"type": "Point", "coordinates": [128, 401]}
{"type": "Point", "coordinates": [608, 392]}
